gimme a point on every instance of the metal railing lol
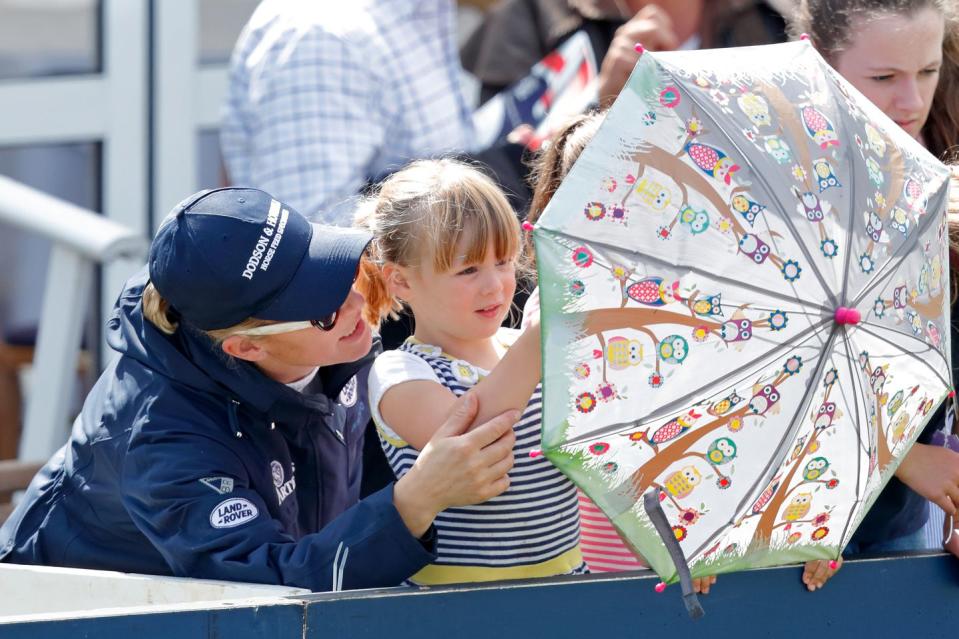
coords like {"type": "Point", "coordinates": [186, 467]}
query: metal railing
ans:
{"type": "Point", "coordinates": [81, 240]}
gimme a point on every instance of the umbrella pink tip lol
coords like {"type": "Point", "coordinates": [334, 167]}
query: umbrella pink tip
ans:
{"type": "Point", "coordinates": [804, 36]}
{"type": "Point", "coordinates": [833, 564]}
{"type": "Point", "coordinates": [527, 225]}
{"type": "Point", "coordinates": [846, 315]}
{"type": "Point", "coordinates": [535, 453]}
{"type": "Point", "coordinates": [639, 48]}
{"type": "Point", "coordinates": [661, 586]}
{"type": "Point", "coordinates": [951, 394]}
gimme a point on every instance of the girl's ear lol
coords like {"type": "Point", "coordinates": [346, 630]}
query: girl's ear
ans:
{"type": "Point", "coordinates": [244, 348]}
{"type": "Point", "coordinates": [397, 280]}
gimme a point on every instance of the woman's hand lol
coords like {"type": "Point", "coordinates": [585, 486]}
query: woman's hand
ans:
{"type": "Point", "coordinates": [457, 468]}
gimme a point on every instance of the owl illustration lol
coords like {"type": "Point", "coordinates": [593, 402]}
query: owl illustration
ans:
{"type": "Point", "coordinates": [748, 209]}
{"type": "Point", "coordinates": [765, 399]}
{"type": "Point", "coordinates": [915, 322]}
{"type": "Point", "coordinates": [754, 247]}
{"type": "Point", "coordinates": [815, 469]}
{"type": "Point", "coordinates": [899, 220]}
{"type": "Point", "coordinates": [721, 451]}
{"type": "Point", "coordinates": [923, 280]}
{"type": "Point", "coordinates": [755, 109]}
{"type": "Point", "coordinates": [651, 291]}
{"type": "Point", "coordinates": [766, 495]}
{"type": "Point", "coordinates": [673, 349]}
{"type": "Point", "coordinates": [898, 427]}
{"type": "Point", "coordinates": [621, 353]}
{"type": "Point", "coordinates": [915, 195]}
{"type": "Point", "coordinates": [653, 194]}
{"type": "Point", "coordinates": [877, 380]}
{"type": "Point", "coordinates": [809, 206]}
{"type": "Point", "coordinates": [899, 296]}
{"type": "Point", "coordinates": [709, 306]}
{"type": "Point", "coordinates": [874, 227]}
{"type": "Point", "coordinates": [736, 330]}
{"type": "Point", "coordinates": [712, 161]}
{"type": "Point", "coordinates": [896, 403]}
{"type": "Point", "coordinates": [825, 415]}
{"type": "Point", "coordinates": [674, 428]}
{"type": "Point", "coordinates": [695, 221]}
{"type": "Point", "coordinates": [875, 173]}
{"type": "Point", "coordinates": [933, 333]}
{"type": "Point", "coordinates": [681, 483]}
{"type": "Point", "coordinates": [876, 143]}
{"type": "Point", "coordinates": [777, 148]}
{"type": "Point", "coordinates": [819, 128]}
{"type": "Point", "coordinates": [798, 507]}
{"type": "Point", "coordinates": [724, 405]}
{"type": "Point", "coordinates": [825, 176]}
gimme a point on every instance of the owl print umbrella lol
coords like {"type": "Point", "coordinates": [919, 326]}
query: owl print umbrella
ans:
{"type": "Point", "coordinates": [744, 297]}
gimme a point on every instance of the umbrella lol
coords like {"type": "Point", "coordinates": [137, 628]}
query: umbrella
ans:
{"type": "Point", "coordinates": [745, 309]}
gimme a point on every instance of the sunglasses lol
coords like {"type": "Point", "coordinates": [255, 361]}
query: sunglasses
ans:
{"type": "Point", "coordinates": [324, 324]}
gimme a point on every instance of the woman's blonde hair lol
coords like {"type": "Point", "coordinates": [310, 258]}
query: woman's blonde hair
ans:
{"type": "Point", "coordinates": [158, 311]}
{"type": "Point", "coordinates": [422, 213]}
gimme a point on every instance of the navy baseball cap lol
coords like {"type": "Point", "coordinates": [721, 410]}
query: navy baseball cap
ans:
{"type": "Point", "coordinates": [224, 255]}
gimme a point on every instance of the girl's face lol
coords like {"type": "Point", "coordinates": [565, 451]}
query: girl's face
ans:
{"type": "Point", "coordinates": [466, 303]}
{"type": "Point", "coordinates": [894, 60]}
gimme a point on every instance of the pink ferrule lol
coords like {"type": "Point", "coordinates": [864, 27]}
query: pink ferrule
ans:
{"type": "Point", "coordinates": [804, 36]}
{"type": "Point", "coordinates": [527, 225]}
{"type": "Point", "coordinates": [535, 453]}
{"type": "Point", "coordinates": [661, 586]}
{"type": "Point", "coordinates": [846, 315]}
{"type": "Point", "coordinates": [951, 394]}
{"type": "Point", "coordinates": [833, 564]}
{"type": "Point", "coordinates": [639, 48]}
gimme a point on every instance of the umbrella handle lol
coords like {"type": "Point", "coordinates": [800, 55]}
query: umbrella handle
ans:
{"type": "Point", "coordinates": [656, 515]}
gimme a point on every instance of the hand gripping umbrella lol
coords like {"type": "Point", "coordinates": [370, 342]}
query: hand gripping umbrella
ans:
{"type": "Point", "coordinates": [744, 294]}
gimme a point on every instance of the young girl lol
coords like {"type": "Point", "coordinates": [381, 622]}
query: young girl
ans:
{"type": "Point", "coordinates": [904, 56]}
{"type": "Point", "coordinates": [447, 245]}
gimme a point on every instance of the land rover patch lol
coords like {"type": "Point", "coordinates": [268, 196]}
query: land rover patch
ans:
{"type": "Point", "coordinates": [233, 512]}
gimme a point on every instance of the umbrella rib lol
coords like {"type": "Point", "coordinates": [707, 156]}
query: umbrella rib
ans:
{"type": "Point", "coordinates": [551, 233]}
{"type": "Point", "coordinates": [857, 380]}
{"type": "Point", "coordinates": [681, 402]}
{"type": "Point", "coordinates": [772, 193]}
{"type": "Point", "coordinates": [784, 443]}
{"type": "Point", "coordinates": [847, 258]}
{"type": "Point", "coordinates": [899, 257]}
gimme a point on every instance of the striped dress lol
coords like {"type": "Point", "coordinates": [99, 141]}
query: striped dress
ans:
{"type": "Point", "coordinates": [531, 530]}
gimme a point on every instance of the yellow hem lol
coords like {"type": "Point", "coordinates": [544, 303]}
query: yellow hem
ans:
{"type": "Point", "coordinates": [436, 574]}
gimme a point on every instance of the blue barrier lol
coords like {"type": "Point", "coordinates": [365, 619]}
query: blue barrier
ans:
{"type": "Point", "coordinates": [912, 596]}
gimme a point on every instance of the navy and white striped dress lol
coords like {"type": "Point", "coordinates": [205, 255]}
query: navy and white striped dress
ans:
{"type": "Point", "coordinates": [531, 530]}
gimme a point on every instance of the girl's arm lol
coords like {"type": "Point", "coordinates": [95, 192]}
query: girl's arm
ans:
{"type": "Point", "coordinates": [415, 409]}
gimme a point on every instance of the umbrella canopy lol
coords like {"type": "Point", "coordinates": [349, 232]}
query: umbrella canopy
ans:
{"type": "Point", "coordinates": [745, 307]}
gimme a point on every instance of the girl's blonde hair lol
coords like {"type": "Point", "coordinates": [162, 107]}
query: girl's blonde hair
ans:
{"type": "Point", "coordinates": [422, 213]}
{"type": "Point", "coordinates": [158, 311]}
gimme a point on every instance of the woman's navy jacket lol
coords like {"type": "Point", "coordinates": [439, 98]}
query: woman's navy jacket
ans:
{"type": "Point", "coordinates": [185, 463]}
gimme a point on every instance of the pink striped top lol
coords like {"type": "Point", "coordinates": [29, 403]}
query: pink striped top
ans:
{"type": "Point", "coordinates": [603, 549]}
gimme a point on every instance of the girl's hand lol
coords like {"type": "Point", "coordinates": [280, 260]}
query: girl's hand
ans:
{"type": "Point", "coordinates": [933, 472]}
{"type": "Point", "coordinates": [817, 573]}
{"type": "Point", "coordinates": [701, 585]}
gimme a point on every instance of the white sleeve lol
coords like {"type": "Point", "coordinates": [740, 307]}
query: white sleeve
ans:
{"type": "Point", "coordinates": [389, 369]}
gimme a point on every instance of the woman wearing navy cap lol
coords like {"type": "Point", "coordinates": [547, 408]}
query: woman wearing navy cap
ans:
{"type": "Point", "coordinates": [225, 442]}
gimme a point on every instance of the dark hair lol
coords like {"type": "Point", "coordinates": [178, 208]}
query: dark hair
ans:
{"type": "Point", "coordinates": [829, 25]}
